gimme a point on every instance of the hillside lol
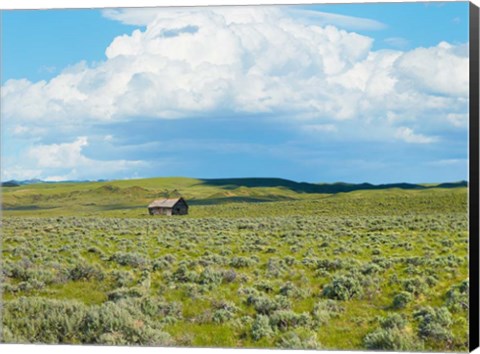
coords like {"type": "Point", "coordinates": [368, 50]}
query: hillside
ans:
{"type": "Point", "coordinates": [317, 265]}
{"type": "Point", "coordinates": [85, 198]}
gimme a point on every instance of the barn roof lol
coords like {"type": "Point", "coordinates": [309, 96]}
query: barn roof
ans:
{"type": "Point", "coordinates": [164, 203]}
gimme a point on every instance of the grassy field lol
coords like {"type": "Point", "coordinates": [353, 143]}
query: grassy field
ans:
{"type": "Point", "coordinates": [250, 266]}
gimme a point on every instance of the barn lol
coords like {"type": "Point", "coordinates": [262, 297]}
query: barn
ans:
{"type": "Point", "coordinates": [168, 206]}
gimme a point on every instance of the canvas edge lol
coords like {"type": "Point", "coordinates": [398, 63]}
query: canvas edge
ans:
{"type": "Point", "coordinates": [474, 178]}
{"type": "Point", "coordinates": [473, 185]}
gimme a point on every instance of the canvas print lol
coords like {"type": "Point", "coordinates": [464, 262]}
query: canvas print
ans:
{"type": "Point", "coordinates": [238, 177]}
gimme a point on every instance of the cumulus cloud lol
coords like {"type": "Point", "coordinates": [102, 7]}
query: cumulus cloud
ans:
{"type": "Point", "coordinates": [307, 67]}
{"type": "Point", "coordinates": [60, 155]}
{"type": "Point", "coordinates": [64, 161]}
{"type": "Point", "coordinates": [438, 70]}
{"type": "Point", "coordinates": [201, 61]}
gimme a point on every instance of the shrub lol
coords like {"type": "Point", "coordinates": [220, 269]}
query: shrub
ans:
{"type": "Point", "coordinates": [8, 337]}
{"type": "Point", "coordinates": [401, 300]}
{"type": "Point", "coordinates": [343, 288]}
{"type": "Point", "coordinates": [391, 340]}
{"type": "Point", "coordinates": [371, 268]}
{"type": "Point", "coordinates": [210, 276]}
{"type": "Point", "coordinates": [110, 318]}
{"type": "Point", "coordinates": [242, 262]}
{"type": "Point", "coordinates": [183, 275]}
{"type": "Point", "coordinates": [265, 305]}
{"type": "Point", "coordinates": [8, 288]}
{"type": "Point", "coordinates": [392, 335]}
{"type": "Point", "coordinates": [415, 286]}
{"type": "Point", "coordinates": [159, 309]}
{"type": "Point", "coordinates": [229, 276]}
{"type": "Point", "coordinates": [323, 311]}
{"type": "Point", "coordinates": [125, 293]}
{"type": "Point", "coordinates": [115, 338]}
{"type": "Point", "coordinates": [40, 320]}
{"type": "Point", "coordinates": [434, 323]}
{"type": "Point", "coordinates": [20, 270]}
{"type": "Point", "coordinates": [30, 285]}
{"type": "Point", "coordinates": [298, 340]}
{"type": "Point", "coordinates": [261, 327]}
{"type": "Point", "coordinates": [160, 264]}
{"type": "Point", "coordinates": [287, 319]}
{"type": "Point", "coordinates": [394, 321]}
{"type": "Point", "coordinates": [223, 311]}
{"type": "Point", "coordinates": [134, 260]}
{"type": "Point", "coordinates": [148, 336]}
{"type": "Point", "coordinates": [95, 250]}
{"type": "Point", "coordinates": [265, 286]}
{"type": "Point", "coordinates": [457, 296]}
{"type": "Point", "coordinates": [290, 290]}
{"type": "Point", "coordinates": [221, 316]}
{"type": "Point", "coordinates": [84, 271]}
{"type": "Point", "coordinates": [249, 292]}
{"type": "Point", "coordinates": [275, 267]}
{"type": "Point", "coordinates": [121, 278]}
{"type": "Point", "coordinates": [163, 262]}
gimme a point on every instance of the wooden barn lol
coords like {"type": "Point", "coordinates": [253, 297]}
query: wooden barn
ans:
{"type": "Point", "coordinates": [168, 206]}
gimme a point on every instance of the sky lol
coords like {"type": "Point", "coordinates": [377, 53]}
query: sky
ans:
{"type": "Point", "coordinates": [320, 93]}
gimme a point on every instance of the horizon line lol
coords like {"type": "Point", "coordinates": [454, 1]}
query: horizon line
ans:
{"type": "Point", "coordinates": [101, 180]}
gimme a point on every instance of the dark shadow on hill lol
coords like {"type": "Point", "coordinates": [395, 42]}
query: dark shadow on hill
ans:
{"type": "Point", "coordinates": [119, 207]}
{"type": "Point", "coordinates": [10, 184]}
{"type": "Point", "coordinates": [25, 208]}
{"type": "Point", "coordinates": [246, 199]}
{"type": "Point", "coordinates": [304, 187]}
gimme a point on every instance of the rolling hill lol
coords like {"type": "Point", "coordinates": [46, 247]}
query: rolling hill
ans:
{"type": "Point", "coordinates": [88, 197]}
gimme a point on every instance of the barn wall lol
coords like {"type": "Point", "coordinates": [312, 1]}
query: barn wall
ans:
{"type": "Point", "coordinates": [180, 208]}
{"type": "Point", "coordinates": [160, 211]}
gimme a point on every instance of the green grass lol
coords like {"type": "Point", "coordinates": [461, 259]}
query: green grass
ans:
{"type": "Point", "coordinates": [203, 279]}
{"type": "Point", "coordinates": [90, 293]}
{"type": "Point", "coordinates": [129, 198]}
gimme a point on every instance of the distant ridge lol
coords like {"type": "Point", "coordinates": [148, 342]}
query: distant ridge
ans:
{"type": "Point", "coordinates": [328, 188]}
{"type": "Point", "coordinates": [24, 196]}
{"type": "Point", "coordinates": [453, 185]}
{"type": "Point", "coordinates": [264, 182]}
{"type": "Point", "coordinates": [15, 183]}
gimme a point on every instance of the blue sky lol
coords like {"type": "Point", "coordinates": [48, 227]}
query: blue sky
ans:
{"type": "Point", "coordinates": [357, 93]}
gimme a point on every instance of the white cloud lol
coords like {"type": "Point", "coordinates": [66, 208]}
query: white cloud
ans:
{"type": "Point", "coordinates": [407, 135]}
{"type": "Point", "coordinates": [20, 129]}
{"type": "Point", "coordinates": [189, 61]}
{"type": "Point", "coordinates": [450, 162]}
{"type": "Point", "coordinates": [64, 161]}
{"type": "Point", "coordinates": [397, 42]}
{"type": "Point", "coordinates": [458, 119]}
{"type": "Point", "coordinates": [440, 70]}
{"type": "Point", "coordinates": [143, 17]}
{"type": "Point", "coordinates": [209, 61]}
{"type": "Point", "coordinates": [342, 21]}
{"type": "Point", "coordinates": [65, 155]}
{"type": "Point", "coordinates": [19, 172]}
{"type": "Point", "coordinates": [134, 16]}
